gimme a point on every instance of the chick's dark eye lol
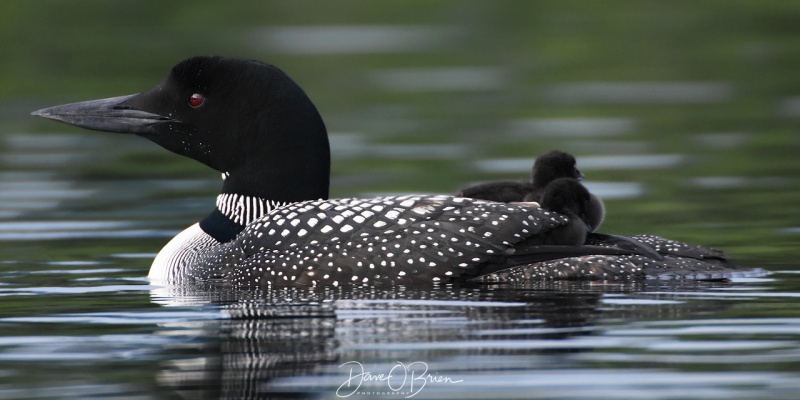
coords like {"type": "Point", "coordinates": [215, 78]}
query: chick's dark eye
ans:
{"type": "Point", "coordinates": [196, 100]}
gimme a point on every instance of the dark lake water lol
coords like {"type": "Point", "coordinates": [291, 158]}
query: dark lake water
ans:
{"type": "Point", "coordinates": [683, 118]}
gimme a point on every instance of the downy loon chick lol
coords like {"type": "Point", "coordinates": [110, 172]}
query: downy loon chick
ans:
{"type": "Point", "coordinates": [568, 197]}
{"type": "Point", "coordinates": [272, 224]}
{"type": "Point", "coordinates": [546, 168]}
{"type": "Point", "coordinates": [658, 258]}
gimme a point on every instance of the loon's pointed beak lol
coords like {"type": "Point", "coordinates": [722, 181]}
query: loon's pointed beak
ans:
{"type": "Point", "coordinates": [580, 176]}
{"type": "Point", "coordinates": [109, 115]}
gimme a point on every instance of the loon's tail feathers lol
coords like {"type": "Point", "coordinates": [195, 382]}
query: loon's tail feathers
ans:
{"type": "Point", "coordinates": [609, 257]}
{"type": "Point", "coordinates": [541, 253]}
{"type": "Point", "coordinates": [669, 247]}
{"type": "Point", "coordinates": [623, 242]}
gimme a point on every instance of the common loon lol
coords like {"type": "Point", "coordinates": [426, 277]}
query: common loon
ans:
{"type": "Point", "coordinates": [272, 224]}
{"type": "Point", "coordinates": [547, 167]}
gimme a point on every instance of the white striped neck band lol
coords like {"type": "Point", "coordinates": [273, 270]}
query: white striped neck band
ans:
{"type": "Point", "coordinates": [245, 209]}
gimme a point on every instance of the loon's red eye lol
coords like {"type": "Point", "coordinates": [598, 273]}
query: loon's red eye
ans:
{"type": "Point", "coordinates": [196, 100]}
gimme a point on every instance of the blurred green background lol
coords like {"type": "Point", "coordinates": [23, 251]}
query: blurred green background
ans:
{"type": "Point", "coordinates": [428, 96]}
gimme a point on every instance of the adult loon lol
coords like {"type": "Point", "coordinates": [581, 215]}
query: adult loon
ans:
{"type": "Point", "coordinates": [547, 167]}
{"type": "Point", "coordinates": [272, 224]}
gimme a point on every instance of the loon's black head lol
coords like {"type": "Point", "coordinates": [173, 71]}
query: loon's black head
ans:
{"type": "Point", "coordinates": [552, 165]}
{"type": "Point", "coordinates": [244, 118]}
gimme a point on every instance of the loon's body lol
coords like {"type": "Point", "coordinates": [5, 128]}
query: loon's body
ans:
{"type": "Point", "coordinates": [385, 240]}
{"type": "Point", "coordinates": [272, 223]}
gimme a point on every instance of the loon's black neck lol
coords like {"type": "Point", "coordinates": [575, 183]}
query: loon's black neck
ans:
{"type": "Point", "coordinates": [292, 180]}
{"type": "Point", "coordinates": [220, 226]}
{"type": "Point", "coordinates": [282, 152]}
{"type": "Point", "coordinates": [281, 172]}
{"type": "Point", "coordinates": [233, 212]}
{"type": "Point", "coordinates": [249, 195]}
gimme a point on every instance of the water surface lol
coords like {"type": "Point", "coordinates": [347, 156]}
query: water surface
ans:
{"type": "Point", "coordinates": [683, 117]}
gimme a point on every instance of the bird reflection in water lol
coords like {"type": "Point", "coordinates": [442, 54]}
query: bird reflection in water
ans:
{"type": "Point", "coordinates": [292, 342]}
